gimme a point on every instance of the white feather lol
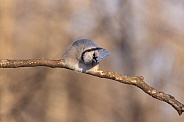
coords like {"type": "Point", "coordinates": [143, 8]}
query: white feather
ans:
{"type": "Point", "coordinates": [83, 55]}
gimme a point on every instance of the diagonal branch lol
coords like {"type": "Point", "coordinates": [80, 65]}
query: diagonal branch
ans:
{"type": "Point", "coordinates": [136, 81]}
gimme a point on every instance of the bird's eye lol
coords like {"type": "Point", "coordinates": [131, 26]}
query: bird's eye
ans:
{"type": "Point", "coordinates": [93, 55]}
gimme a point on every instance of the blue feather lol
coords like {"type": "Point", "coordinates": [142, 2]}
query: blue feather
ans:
{"type": "Point", "coordinates": [102, 54]}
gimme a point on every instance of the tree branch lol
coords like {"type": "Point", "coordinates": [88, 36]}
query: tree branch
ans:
{"type": "Point", "coordinates": [136, 81]}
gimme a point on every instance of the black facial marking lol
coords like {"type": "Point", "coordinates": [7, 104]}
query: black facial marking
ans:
{"type": "Point", "coordinates": [94, 59]}
{"type": "Point", "coordinates": [89, 50]}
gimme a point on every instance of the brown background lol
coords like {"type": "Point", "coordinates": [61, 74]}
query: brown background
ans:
{"type": "Point", "coordinates": [144, 37]}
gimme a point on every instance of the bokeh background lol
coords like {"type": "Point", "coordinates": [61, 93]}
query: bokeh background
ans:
{"type": "Point", "coordinates": [145, 37]}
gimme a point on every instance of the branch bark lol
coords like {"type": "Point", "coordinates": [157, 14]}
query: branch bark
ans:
{"type": "Point", "coordinates": [137, 81]}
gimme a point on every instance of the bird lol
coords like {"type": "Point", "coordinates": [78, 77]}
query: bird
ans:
{"type": "Point", "coordinates": [83, 55]}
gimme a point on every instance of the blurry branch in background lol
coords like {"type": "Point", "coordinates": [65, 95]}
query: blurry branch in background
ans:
{"type": "Point", "coordinates": [136, 81]}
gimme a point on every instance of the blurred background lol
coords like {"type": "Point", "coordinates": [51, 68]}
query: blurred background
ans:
{"type": "Point", "coordinates": [144, 37]}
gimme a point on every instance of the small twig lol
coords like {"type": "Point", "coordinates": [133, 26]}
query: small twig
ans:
{"type": "Point", "coordinates": [137, 81]}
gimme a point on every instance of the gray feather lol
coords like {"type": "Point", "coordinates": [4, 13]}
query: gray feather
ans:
{"type": "Point", "coordinates": [83, 55]}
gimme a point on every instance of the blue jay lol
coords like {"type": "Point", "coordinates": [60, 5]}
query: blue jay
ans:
{"type": "Point", "coordinates": [83, 55]}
